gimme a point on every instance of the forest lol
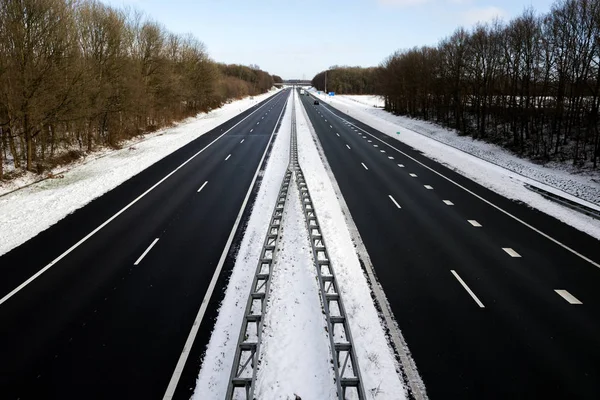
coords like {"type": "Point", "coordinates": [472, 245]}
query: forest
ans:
{"type": "Point", "coordinates": [78, 75]}
{"type": "Point", "coordinates": [531, 84]}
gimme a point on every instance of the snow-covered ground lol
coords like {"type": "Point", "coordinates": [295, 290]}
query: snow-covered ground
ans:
{"type": "Point", "coordinates": [375, 357]}
{"type": "Point", "coordinates": [214, 374]}
{"type": "Point", "coordinates": [487, 164]}
{"type": "Point", "coordinates": [26, 212]}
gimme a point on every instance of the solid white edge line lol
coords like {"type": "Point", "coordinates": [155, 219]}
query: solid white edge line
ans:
{"type": "Point", "coordinates": [363, 164]}
{"type": "Point", "coordinates": [227, 158]}
{"type": "Point", "coordinates": [202, 187]}
{"type": "Point", "coordinates": [146, 252]}
{"type": "Point", "coordinates": [568, 296]}
{"type": "Point", "coordinates": [464, 285]}
{"type": "Point", "coordinates": [394, 200]}
{"type": "Point", "coordinates": [213, 282]}
{"type": "Point", "coordinates": [564, 246]}
{"type": "Point", "coordinates": [108, 221]}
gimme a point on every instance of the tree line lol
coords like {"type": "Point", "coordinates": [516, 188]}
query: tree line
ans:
{"type": "Point", "coordinates": [531, 84]}
{"type": "Point", "coordinates": [347, 80]}
{"type": "Point", "coordinates": [77, 74]}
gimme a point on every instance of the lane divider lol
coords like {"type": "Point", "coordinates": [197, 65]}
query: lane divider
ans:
{"type": "Point", "coordinates": [202, 187]}
{"type": "Point", "coordinates": [464, 285]}
{"type": "Point", "coordinates": [146, 252]}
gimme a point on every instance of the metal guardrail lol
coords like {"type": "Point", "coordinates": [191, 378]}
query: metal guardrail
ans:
{"type": "Point", "coordinates": [243, 372]}
{"type": "Point", "coordinates": [344, 360]}
{"type": "Point", "coordinates": [245, 362]}
{"type": "Point", "coordinates": [565, 202]}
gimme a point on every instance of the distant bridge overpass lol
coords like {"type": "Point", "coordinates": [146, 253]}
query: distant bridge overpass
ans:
{"type": "Point", "coordinates": [297, 82]}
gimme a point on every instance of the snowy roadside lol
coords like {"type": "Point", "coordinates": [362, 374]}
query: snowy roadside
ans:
{"type": "Point", "coordinates": [495, 175]}
{"type": "Point", "coordinates": [25, 213]}
{"type": "Point", "coordinates": [216, 366]}
{"type": "Point", "coordinates": [379, 370]}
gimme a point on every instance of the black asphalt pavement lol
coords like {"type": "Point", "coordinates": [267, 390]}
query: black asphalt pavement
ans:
{"type": "Point", "coordinates": [480, 323]}
{"type": "Point", "coordinates": [105, 322]}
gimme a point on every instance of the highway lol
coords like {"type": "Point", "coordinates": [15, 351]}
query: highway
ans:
{"type": "Point", "coordinates": [109, 316]}
{"type": "Point", "coordinates": [484, 289]}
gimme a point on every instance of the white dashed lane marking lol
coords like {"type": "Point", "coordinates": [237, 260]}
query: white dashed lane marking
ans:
{"type": "Point", "coordinates": [363, 164]}
{"type": "Point", "coordinates": [428, 187]}
{"type": "Point", "coordinates": [146, 252]}
{"type": "Point", "coordinates": [568, 296]}
{"type": "Point", "coordinates": [394, 201]}
{"type": "Point", "coordinates": [464, 285]}
{"type": "Point", "coordinates": [202, 187]}
{"type": "Point", "coordinates": [474, 223]}
{"type": "Point", "coordinates": [448, 203]}
{"type": "Point", "coordinates": [413, 175]}
{"type": "Point", "coordinates": [511, 252]}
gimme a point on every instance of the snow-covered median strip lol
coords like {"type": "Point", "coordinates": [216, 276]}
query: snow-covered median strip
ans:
{"type": "Point", "coordinates": [295, 357]}
{"type": "Point", "coordinates": [214, 373]}
{"type": "Point", "coordinates": [497, 174]}
{"type": "Point", "coordinates": [33, 209]}
{"type": "Point", "coordinates": [379, 370]}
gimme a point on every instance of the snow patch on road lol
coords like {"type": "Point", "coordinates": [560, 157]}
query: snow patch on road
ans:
{"type": "Point", "coordinates": [216, 366]}
{"type": "Point", "coordinates": [379, 370]}
{"type": "Point", "coordinates": [295, 357]}
{"type": "Point", "coordinates": [489, 165]}
{"type": "Point", "coordinates": [33, 209]}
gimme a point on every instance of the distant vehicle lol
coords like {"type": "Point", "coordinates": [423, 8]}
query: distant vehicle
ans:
{"type": "Point", "coordinates": [316, 102]}
{"type": "Point", "coordinates": [301, 91]}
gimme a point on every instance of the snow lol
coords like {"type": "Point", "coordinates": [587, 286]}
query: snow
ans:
{"type": "Point", "coordinates": [26, 212]}
{"type": "Point", "coordinates": [295, 351]}
{"type": "Point", "coordinates": [487, 164]}
{"type": "Point", "coordinates": [216, 366]}
{"type": "Point", "coordinates": [378, 366]}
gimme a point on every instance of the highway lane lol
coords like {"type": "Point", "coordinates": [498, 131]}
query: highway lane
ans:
{"type": "Point", "coordinates": [110, 319]}
{"type": "Point", "coordinates": [479, 322]}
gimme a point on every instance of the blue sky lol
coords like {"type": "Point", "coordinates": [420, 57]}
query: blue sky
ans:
{"type": "Point", "coordinates": [298, 38]}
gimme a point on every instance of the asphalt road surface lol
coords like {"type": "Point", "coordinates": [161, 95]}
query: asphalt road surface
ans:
{"type": "Point", "coordinates": [472, 285]}
{"type": "Point", "coordinates": [109, 320]}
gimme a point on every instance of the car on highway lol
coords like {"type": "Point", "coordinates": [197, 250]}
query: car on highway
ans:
{"type": "Point", "coordinates": [316, 102]}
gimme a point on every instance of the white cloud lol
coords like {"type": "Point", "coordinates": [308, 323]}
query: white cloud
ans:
{"type": "Point", "coordinates": [401, 3]}
{"type": "Point", "coordinates": [482, 14]}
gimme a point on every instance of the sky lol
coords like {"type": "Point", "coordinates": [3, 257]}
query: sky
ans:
{"type": "Point", "coordinates": [296, 39]}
